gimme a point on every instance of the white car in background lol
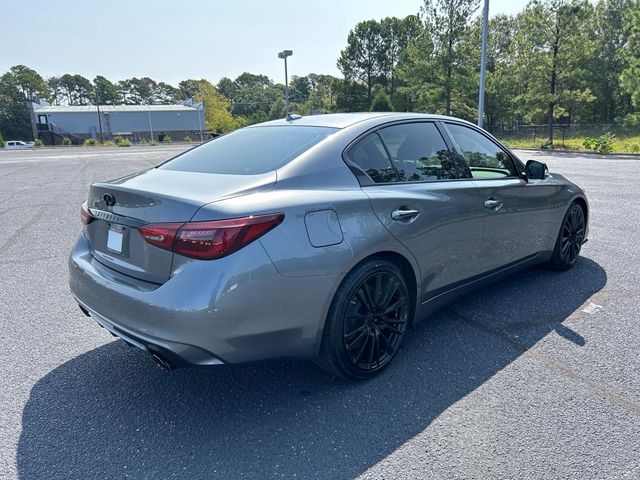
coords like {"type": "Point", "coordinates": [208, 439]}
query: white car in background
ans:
{"type": "Point", "coordinates": [17, 144]}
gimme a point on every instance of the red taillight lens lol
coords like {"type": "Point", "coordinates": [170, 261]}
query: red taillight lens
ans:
{"type": "Point", "coordinates": [85, 216]}
{"type": "Point", "coordinates": [210, 240]}
{"type": "Point", "coordinates": [161, 235]}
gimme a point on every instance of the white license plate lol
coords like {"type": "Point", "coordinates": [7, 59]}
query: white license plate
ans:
{"type": "Point", "coordinates": [114, 238]}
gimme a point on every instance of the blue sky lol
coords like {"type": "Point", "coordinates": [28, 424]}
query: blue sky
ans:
{"type": "Point", "coordinates": [173, 40]}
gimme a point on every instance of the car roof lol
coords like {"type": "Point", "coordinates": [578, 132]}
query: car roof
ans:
{"type": "Point", "coordinates": [343, 120]}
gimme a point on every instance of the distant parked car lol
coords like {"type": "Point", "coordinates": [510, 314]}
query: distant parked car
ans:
{"type": "Point", "coordinates": [318, 237]}
{"type": "Point", "coordinates": [17, 144]}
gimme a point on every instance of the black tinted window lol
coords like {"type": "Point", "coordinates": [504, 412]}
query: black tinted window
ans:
{"type": "Point", "coordinates": [419, 153]}
{"type": "Point", "coordinates": [484, 158]}
{"type": "Point", "coordinates": [250, 150]}
{"type": "Point", "coordinates": [371, 159]}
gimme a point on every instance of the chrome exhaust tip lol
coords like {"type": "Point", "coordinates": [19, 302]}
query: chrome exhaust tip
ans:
{"type": "Point", "coordinates": [161, 362]}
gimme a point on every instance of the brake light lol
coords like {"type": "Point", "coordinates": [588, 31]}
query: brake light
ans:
{"type": "Point", "coordinates": [161, 235]}
{"type": "Point", "coordinates": [210, 240]}
{"type": "Point", "coordinates": [85, 215]}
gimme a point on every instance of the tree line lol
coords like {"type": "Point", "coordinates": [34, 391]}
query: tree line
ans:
{"type": "Point", "coordinates": [555, 62]}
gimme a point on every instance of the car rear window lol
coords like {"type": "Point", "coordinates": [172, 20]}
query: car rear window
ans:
{"type": "Point", "coordinates": [250, 150]}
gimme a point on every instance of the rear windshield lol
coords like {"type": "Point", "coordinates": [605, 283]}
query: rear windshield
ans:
{"type": "Point", "coordinates": [250, 150]}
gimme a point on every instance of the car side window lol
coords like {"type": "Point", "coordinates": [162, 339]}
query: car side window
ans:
{"type": "Point", "coordinates": [484, 158]}
{"type": "Point", "coordinates": [419, 153]}
{"type": "Point", "coordinates": [370, 159]}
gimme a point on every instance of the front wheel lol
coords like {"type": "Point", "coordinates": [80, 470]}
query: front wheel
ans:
{"type": "Point", "coordinates": [367, 320]}
{"type": "Point", "coordinates": [570, 239]}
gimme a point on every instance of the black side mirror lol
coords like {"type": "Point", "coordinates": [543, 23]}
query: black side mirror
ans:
{"type": "Point", "coordinates": [536, 170]}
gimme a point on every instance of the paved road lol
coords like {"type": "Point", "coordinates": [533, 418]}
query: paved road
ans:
{"type": "Point", "coordinates": [536, 377]}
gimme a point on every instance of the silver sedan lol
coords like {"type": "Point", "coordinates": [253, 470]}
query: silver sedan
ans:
{"type": "Point", "coordinates": [320, 237]}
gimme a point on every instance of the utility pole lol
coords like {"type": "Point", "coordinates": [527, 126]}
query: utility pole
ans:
{"type": "Point", "coordinates": [483, 62]}
{"type": "Point", "coordinates": [284, 54]}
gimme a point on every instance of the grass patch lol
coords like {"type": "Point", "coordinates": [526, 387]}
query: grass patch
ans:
{"type": "Point", "coordinates": [620, 144]}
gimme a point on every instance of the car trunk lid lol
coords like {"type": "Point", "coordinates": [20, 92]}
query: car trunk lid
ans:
{"type": "Point", "coordinates": [120, 207]}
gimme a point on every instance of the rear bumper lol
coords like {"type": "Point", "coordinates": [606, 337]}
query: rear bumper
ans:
{"type": "Point", "coordinates": [236, 309]}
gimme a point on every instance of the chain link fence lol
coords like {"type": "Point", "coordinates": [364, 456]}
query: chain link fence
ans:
{"type": "Point", "coordinates": [537, 135]}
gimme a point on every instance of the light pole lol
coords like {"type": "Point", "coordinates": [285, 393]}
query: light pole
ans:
{"type": "Point", "coordinates": [284, 54]}
{"type": "Point", "coordinates": [483, 62]}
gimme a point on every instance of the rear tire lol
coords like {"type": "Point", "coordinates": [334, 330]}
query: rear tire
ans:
{"type": "Point", "coordinates": [366, 321]}
{"type": "Point", "coordinates": [570, 239]}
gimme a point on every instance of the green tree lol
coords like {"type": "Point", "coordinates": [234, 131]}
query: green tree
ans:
{"type": "Point", "coordinates": [395, 35]}
{"type": "Point", "coordinates": [218, 118]}
{"type": "Point", "coordinates": [28, 82]}
{"type": "Point", "coordinates": [105, 92]}
{"type": "Point", "coordinates": [448, 22]}
{"type": "Point", "coordinates": [76, 89]}
{"type": "Point", "coordinates": [14, 115]}
{"type": "Point", "coordinates": [630, 77]}
{"type": "Point", "coordinates": [381, 102]}
{"type": "Point", "coordinates": [554, 41]}
{"type": "Point", "coordinates": [362, 58]}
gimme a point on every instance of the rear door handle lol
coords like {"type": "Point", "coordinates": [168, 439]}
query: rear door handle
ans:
{"type": "Point", "coordinates": [404, 214]}
{"type": "Point", "coordinates": [493, 204]}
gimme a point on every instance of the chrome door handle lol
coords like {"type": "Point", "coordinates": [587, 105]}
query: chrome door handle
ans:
{"type": "Point", "coordinates": [403, 214]}
{"type": "Point", "coordinates": [493, 204]}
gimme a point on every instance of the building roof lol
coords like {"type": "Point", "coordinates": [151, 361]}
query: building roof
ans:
{"type": "Point", "coordinates": [111, 108]}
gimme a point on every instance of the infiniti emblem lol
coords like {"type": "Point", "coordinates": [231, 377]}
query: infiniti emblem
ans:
{"type": "Point", "coordinates": [109, 199]}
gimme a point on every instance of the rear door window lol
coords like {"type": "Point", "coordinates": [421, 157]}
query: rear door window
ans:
{"type": "Point", "coordinates": [419, 153]}
{"type": "Point", "coordinates": [250, 151]}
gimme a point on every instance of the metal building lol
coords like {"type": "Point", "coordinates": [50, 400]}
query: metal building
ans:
{"type": "Point", "coordinates": [52, 123]}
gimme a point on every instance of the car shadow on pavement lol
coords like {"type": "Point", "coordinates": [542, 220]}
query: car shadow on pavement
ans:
{"type": "Point", "coordinates": [111, 413]}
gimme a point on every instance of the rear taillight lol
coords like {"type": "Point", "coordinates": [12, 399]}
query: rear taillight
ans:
{"type": "Point", "coordinates": [210, 240]}
{"type": "Point", "coordinates": [85, 216]}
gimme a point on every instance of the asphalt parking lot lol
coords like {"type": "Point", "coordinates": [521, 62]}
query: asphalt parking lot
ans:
{"type": "Point", "coordinates": [535, 377]}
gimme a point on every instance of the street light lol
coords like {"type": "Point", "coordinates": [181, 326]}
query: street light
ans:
{"type": "Point", "coordinates": [284, 54]}
{"type": "Point", "coordinates": [483, 61]}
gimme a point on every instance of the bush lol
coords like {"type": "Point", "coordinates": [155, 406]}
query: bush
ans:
{"type": "Point", "coordinates": [66, 141]}
{"type": "Point", "coordinates": [381, 103]}
{"type": "Point", "coordinates": [90, 141]}
{"type": "Point", "coordinates": [188, 139]}
{"type": "Point", "coordinates": [122, 142]}
{"type": "Point", "coordinates": [108, 143]}
{"type": "Point", "coordinates": [1, 142]}
{"type": "Point", "coordinates": [38, 143]}
{"type": "Point", "coordinates": [601, 144]}
{"type": "Point", "coordinates": [166, 139]}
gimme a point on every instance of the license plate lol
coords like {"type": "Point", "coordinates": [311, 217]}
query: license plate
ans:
{"type": "Point", "coordinates": [114, 238]}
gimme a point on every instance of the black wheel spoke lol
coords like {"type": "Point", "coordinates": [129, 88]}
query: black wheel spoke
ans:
{"type": "Point", "coordinates": [358, 330]}
{"type": "Point", "coordinates": [394, 306]}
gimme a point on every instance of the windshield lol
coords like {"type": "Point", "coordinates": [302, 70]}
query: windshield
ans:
{"type": "Point", "coordinates": [250, 150]}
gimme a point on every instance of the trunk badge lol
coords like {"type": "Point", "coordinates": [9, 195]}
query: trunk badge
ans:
{"type": "Point", "coordinates": [109, 199]}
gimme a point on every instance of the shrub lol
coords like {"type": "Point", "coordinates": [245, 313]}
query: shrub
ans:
{"type": "Point", "coordinates": [381, 103]}
{"type": "Point", "coordinates": [90, 141]}
{"type": "Point", "coordinates": [601, 144]}
{"type": "Point", "coordinates": [66, 141]}
{"type": "Point", "coordinates": [166, 139]}
{"type": "Point", "coordinates": [108, 143]}
{"type": "Point", "coordinates": [188, 139]}
{"type": "Point", "coordinates": [122, 142]}
{"type": "Point", "coordinates": [38, 143]}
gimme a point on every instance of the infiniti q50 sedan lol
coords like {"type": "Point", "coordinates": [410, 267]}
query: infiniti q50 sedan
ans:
{"type": "Point", "coordinates": [320, 237]}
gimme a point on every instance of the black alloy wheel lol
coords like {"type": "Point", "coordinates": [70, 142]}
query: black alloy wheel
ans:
{"type": "Point", "coordinates": [572, 235]}
{"type": "Point", "coordinates": [375, 320]}
{"type": "Point", "coordinates": [367, 320]}
{"type": "Point", "coordinates": [570, 239]}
